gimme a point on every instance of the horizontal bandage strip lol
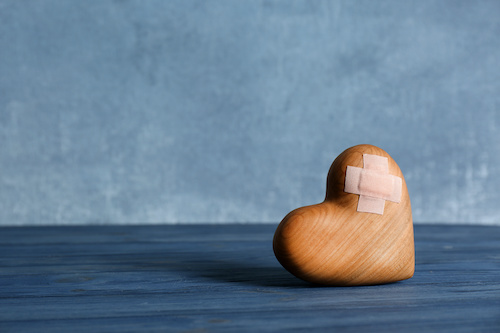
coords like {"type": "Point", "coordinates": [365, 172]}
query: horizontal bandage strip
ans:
{"type": "Point", "coordinates": [373, 184]}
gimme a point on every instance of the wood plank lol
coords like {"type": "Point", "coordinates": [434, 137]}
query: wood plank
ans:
{"type": "Point", "coordinates": [224, 278]}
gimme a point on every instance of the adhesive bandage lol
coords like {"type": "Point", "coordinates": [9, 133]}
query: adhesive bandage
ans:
{"type": "Point", "coordinates": [373, 183]}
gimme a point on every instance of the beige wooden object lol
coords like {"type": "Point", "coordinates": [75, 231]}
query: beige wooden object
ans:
{"type": "Point", "coordinates": [331, 243]}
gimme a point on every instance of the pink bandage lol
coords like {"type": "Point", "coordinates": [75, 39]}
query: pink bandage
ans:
{"type": "Point", "coordinates": [373, 183]}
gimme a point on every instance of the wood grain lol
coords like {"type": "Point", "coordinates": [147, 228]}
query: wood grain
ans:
{"type": "Point", "coordinates": [332, 244]}
{"type": "Point", "coordinates": [225, 278]}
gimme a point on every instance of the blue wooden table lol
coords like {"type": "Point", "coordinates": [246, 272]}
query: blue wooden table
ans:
{"type": "Point", "coordinates": [224, 278]}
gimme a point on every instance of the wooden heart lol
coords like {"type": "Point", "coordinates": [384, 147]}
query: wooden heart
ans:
{"type": "Point", "coordinates": [332, 243]}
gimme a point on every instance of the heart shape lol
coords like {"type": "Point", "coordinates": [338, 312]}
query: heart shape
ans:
{"type": "Point", "coordinates": [332, 243]}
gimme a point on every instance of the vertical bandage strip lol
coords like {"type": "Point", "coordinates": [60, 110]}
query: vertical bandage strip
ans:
{"type": "Point", "coordinates": [373, 183]}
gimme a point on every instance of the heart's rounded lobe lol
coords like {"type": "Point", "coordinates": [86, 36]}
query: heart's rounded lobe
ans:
{"type": "Point", "coordinates": [331, 243]}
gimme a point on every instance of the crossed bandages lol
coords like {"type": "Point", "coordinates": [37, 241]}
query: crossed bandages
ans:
{"type": "Point", "coordinates": [373, 183]}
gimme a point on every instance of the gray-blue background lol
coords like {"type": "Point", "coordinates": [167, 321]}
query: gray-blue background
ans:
{"type": "Point", "coordinates": [232, 111]}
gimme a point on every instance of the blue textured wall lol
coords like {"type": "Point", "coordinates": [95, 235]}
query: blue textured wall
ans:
{"type": "Point", "coordinates": [232, 111]}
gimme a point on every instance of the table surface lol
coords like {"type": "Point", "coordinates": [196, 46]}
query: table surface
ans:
{"type": "Point", "coordinates": [224, 278]}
